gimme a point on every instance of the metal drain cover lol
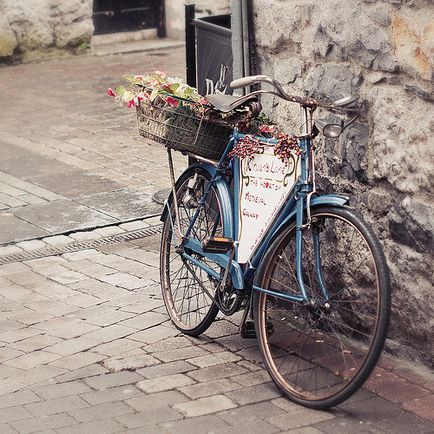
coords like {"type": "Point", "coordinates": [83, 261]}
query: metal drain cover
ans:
{"type": "Point", "coordinates": [82, 245]}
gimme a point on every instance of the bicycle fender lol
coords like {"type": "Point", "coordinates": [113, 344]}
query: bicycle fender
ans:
{"type": "Point", "coordinates": [223, 192]}
{"type": "Point", "coordinates": [323, 200]}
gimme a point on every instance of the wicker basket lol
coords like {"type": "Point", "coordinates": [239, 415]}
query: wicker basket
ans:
{"type": "Point", "coordinates": [182, 129]}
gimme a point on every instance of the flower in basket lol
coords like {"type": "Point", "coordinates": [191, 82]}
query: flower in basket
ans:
{"type": "Point", "coordinates": [157, 84]}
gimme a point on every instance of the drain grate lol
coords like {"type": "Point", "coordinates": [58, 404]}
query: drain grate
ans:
{"type": "Point", "coordinates": [82, 245]}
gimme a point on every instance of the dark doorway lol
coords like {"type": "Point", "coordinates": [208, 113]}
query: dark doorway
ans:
{"type": "Point", "coordinates": [111, 16]}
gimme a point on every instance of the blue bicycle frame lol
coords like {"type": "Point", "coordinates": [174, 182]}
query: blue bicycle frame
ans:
{"type": "Point", "coordinates": [297, 206]}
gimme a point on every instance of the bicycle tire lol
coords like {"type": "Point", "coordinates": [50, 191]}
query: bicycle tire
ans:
{"type": "Point", "coordinates": [319, 357]}
{"type": "Point", "coordinates": [189, 307]}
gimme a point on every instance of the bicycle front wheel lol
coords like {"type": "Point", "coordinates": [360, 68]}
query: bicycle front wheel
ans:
{"type": "Point", "coordinates": [320, 353]}
{"type": "Point", "coordinates": [190, 307]}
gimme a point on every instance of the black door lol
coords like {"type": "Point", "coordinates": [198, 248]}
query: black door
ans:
{"type": "Point", "coordinates": [110, 16]}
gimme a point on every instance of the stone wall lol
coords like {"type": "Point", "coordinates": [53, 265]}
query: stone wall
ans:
{"type": "Point", "coordinates": [33, 25]}
{"type": "Point", "coordinates": [383, 52]}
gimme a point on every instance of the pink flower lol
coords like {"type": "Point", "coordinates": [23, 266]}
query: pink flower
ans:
{"type": "Point", "coordinates": [161, 74]}
{"type": "Point", "coordinates": [111, 92]}
{"type": "Point", "coordinates": [173, 102]}
{"type": "Point", "coordinates": [131, 103]}
{"type": "Point", "coordinates": [203, 101]}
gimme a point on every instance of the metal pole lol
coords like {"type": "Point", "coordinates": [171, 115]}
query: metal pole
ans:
{"type": "Point", "coordinates": [190, 45]}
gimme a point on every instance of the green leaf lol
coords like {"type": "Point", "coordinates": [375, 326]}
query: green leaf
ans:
{"type": "Point", "coordinates": [154, 94]}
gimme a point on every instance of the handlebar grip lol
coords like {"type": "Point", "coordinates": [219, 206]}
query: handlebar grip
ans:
{"type": "Point", "coordinates": [248, 81]}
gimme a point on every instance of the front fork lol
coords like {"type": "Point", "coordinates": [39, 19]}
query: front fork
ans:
{"type": "Point", "coordinates": [307, 190]}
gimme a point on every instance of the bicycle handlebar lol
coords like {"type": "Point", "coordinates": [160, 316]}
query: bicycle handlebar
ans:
{"type": "Point", "coordinates": [339, 105]}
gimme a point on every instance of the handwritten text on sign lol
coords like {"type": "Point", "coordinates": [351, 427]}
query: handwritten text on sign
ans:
{"type": "Point", "coordinates": [265, 184]}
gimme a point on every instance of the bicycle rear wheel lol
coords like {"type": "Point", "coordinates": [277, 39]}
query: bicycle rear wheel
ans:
{"type": "Point", "coordinates": [191, 309]}
{"type": "Point", "coordinates": [320, 354]}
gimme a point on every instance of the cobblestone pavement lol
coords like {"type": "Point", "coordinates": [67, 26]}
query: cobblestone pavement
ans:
{"type": "Point", "coordinates": [71, 158]}
{"type": "Point", "coordinates": [86, 346]}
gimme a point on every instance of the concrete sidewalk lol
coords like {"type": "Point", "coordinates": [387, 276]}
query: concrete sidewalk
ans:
{"type": "Point", "coordinates": [70, 157]}
{"type": "Point", "coordinates": [86, 346]}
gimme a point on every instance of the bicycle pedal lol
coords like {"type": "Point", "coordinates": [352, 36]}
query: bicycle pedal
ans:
{"type": "Point", "coordinates": [248, 330]}
{"type": "Point", "coordinates": [217, 244]}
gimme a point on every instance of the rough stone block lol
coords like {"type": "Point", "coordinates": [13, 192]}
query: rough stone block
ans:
{"type": "Point", "coordinates": [207, 405]}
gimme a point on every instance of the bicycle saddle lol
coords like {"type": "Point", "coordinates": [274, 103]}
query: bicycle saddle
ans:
{"type": "Point", "coordinates": [227, 103]}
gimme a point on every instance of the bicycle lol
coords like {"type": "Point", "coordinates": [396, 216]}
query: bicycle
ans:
{"type": "Point", "coordinates": [315, 281]}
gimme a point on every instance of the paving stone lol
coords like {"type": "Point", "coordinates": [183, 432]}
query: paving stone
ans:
{"type": "Point", "coordinates": [80, 373]}
{"type": "Point", "coordinates": [112, 394]}
{"type": "Point", "coordinates": [241, 415]}
{"type": "Point", "coordinates": [161, 384]}
{"type": "Point", "coordinates": [217, 372]}
{"type": "Point", "coordinates": [386, 416]}
{"type": "Point", "coordinates": [344, 425]}
{"type": "Point", "coordinates": [85, 236]}
{"type": "Point", "coordinates": [10, 250]}
{"type": "Point", "coordinates": [78, 360]}
{"type": "Point", "coordinates": [13, 267]}
{"type": "Point", "coordinates": [61, 389]}
{"type": "Point", "coordinates": [10, 385]}
{"type": "Point", "coordinates": [202, 406]}
{"type": "Point", "coordinates": [53, 307]}
{"type": "Point", "coordinates": [109, 230]}
{"type": "Point", "coordinates": [8, 371]}
{"type": "Point", "coordinates": [72, 346]}
{"type": "Point", "coordinates": [154, 334]}
{"type": "Point", "coordinates": [10, 414]}
{"type": "Point", "coordinates": [6, 429]}
{"type": "Point", "coordinates": [36, 375]}
{"type": "Point", "coordinates": [29, 246]}
{"type": "Point", "coordinates": [249, 395]}
{"type": "Point", "coordinates": [33, 359]}
{"type": "Point", "coordinates": [108, 318]}
{"type": "Point", "coordinates": [180, 353]}
{"type": "Point", "coordinates": [130, 362]}
{"type": "Point", "coordinates": [18, 334]}
{"type": "Point", "coordinates": [401, 391]}
{"type": "Point", "coordinates": [196, 425]}
{"type": "Point", "coordinates": [68, 277]}
{"type": "Point", "coordinates": [101, 411]}
{"type": "Point", "coordinates": [105, 426]}
{"type": "Point", "coordinates": [253, 378]}
{"type": "Point", "coordinates": [82, 300]}
{"type": "Point", "coordinates": [66, 328]}
{"type": "Point", "coordinates": [15, 229]}
{"type": "Point", "coordinates": [222, 328]}
{"type": "Point", "coordinates": [143, 305]}
{"type": "Point", "coordinates": [8, 353]}
{"type": "Point", "coordinates": [30, 318]}
{"type": "Point", "coordinates": [35, 343]}
{"type": "Point", "coordinates": [132, 226]}
{"type": "Point", "coordinates": [253, 427]}
{"type": "Point", "coordinates": [177, 367]}
{"type": "Point", "coordinates": [110, 333]}
{"type": "Point", "coordinates": [168, 344]}
{"type": "Point", "coordinates": [155, 408]}
{"type": "Point", "coordinates": [209, 388]}
{"type": "Point", "coordinates": [50, 217]}
{"type": "Point", "coordinates": [117, 347]}
{"type": "Point", "coordinates": [124, 280]}
{"type": "Point", "coordinates": [101, 382]}
{"type": "Point", "coordinates": [214, 359]}
{"type": "Point", "coordinates": [43, 424]}
{"type": "Point", "coordinates": [57, 240]}
{"type": "Point", "coordinates": [299, 418]}
{"type": "Point", "coordinates": [423, 407]}
{"type": "Point", "coordinates": [54, 406]}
